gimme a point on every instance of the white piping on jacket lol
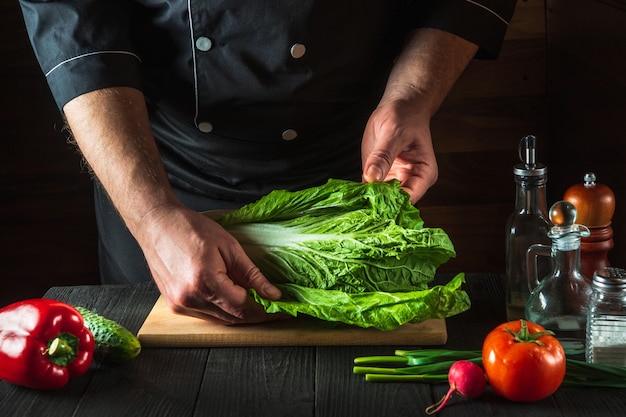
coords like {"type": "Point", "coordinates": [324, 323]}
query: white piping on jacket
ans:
{"type": "Point", "coordinates": [195, 69]}
{"type": "Point", "coordinates": [489, 10]}
{"type": "Point", "coordinates": [90, 54]}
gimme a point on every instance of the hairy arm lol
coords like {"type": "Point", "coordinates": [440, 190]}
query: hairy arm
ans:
{"type": "Point", "coordinates": [112, 130]}
{"type": "Point", "coordinates": [199, 268]}
{"type": "Point", "coordinates": [397, 140]}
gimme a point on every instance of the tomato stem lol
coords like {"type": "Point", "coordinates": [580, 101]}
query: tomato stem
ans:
{"type": "Point", "coordinates": [524, 336]}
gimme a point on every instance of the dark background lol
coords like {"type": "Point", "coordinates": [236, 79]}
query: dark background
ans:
{"type": "Point", "coordinates": [561, 76]}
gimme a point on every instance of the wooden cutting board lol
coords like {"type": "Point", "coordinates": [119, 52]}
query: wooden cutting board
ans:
{"type": "Point", "coordinates": [163, 328]}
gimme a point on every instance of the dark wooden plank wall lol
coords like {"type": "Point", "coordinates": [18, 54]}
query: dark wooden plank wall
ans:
{"type": "Point", "coordinates": [476, 134]}
{"type": "Point", "coordinates": [47, 231]}
{"type": "Point", "coordinates": [586, 84]}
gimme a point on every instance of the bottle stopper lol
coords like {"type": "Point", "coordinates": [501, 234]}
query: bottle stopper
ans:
{"type": "Point", "coordinates": [565, 233]}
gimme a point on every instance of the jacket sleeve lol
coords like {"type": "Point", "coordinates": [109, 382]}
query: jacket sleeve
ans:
{"type": "Point", "coordinates": [82, 45]}
{"type": "Point", "coordinates": [482, 22]}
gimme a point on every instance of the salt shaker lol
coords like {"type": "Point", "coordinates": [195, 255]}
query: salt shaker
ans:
{"type": "Point", "coordinates": [606, 322]}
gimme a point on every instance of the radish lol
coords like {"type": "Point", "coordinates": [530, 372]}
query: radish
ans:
{"type": "Point", "coordinates": [466, 378]}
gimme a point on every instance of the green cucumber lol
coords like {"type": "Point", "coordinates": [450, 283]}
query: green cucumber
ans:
{"type": "Point", "coordinates": [114, 343]}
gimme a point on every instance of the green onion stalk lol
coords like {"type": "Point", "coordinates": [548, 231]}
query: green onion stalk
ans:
{"type": "Point", "coordinates": [432, 366]}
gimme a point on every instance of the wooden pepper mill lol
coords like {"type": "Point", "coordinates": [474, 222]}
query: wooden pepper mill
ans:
{"type": "Point", "coordinates": [595, 204]}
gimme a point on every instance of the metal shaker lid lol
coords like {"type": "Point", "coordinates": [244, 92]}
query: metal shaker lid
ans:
{"type": "Point", "coordinates": [610, 278]}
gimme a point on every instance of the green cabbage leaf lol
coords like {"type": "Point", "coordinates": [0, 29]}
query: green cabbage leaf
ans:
{"type": "Point", "coordinates": [382, 310]}
{"type": "Point", "coordinates": [359, 244]}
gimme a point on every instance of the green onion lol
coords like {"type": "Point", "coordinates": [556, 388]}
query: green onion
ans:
{"type": "Point", "coordinates": [583, 374]}
{"type": "Point", "coordinates": [381, 359]}
{"type": "Point", "coordinates": [432, 365]}
{"type": "Point", "coordinates": [426, 356]}
{"type": "Point", "coordinates": [406, 378]}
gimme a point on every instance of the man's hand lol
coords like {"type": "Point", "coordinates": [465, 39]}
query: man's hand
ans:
{"type": "Point", "coordinates": [397, 144]}
{"type": "Point", "coordinates": [200, 269]}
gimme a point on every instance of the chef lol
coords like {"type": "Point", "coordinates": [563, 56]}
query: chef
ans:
{"type": "Point", "coordinates": [187, 106]}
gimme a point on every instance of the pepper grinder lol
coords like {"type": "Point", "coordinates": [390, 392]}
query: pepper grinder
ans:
{"type": "Point", "coordinates": [595, 204]}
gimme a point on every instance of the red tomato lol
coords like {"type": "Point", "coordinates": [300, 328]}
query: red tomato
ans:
{"type": "Point", "coordinates": [523, 361]}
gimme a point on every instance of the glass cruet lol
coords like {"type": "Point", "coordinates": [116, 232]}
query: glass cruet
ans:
{"type": "Point", "coordinates": [560, 300]}
{"type": "Point", "coordinates": [527, 225]}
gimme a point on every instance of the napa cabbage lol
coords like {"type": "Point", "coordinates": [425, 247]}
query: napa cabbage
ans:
{"type": "Point", "coordinates": [348, 241]}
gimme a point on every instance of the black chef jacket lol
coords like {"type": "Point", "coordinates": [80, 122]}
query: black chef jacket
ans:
{"type": "Point", "coordinates": [247, 96]}
{"type": "Point", "coordinates": [243, 96]}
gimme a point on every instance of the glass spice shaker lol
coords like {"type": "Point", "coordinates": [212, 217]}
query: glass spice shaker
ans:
{"type": "Point", "coordinates": [606, 321]}
{"type": "Point", "coordinates": [560, 301]}
{"type": "Point", "coordinates": [527, 225]}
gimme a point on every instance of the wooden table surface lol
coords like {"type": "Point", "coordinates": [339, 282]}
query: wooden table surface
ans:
{"type": "Point", "coordinates": [277, 381]}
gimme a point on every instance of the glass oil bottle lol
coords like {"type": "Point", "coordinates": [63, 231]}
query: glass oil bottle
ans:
{"type": "Point", "coordinates": [560, 300]}
{"type": "Point", "coordinates": [527, 225]}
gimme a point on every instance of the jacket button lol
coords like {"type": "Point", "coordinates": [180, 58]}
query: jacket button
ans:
{"type": "Point", "coordinates": [290, 134]}
{"type": "Point", "coordinates": [205, 127]}
{"type": "Point", "coordinates": [297, 50]}
{"type": "Point", "coordinates": [203, 43]}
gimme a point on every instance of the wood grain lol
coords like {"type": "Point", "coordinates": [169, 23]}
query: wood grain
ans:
{"type": "Point", "coordinates": [163, 328]}
{"type": "Point", "coordinates": [47, 226]}
{"type": "Point", "coordinates": [239, 382]}
{"type": "Point", "coordinates": [279, 381]}
{"type": "Point", "coordinates": [587, 85]}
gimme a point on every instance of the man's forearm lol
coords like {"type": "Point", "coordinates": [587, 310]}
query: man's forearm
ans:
{"type": "Point", "coordinates": [199, 268]}
{"type": "Point", "coordinates": [112, 130]}
{"type": "Point", "coordinates": [429, 65]}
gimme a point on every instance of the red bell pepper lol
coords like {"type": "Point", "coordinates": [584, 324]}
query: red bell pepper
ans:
{"type": "Point", "coordinates": [43, 343]}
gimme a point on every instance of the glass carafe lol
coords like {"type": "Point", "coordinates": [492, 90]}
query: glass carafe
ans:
{"type": "Point", "coordinates": [560, 300]}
